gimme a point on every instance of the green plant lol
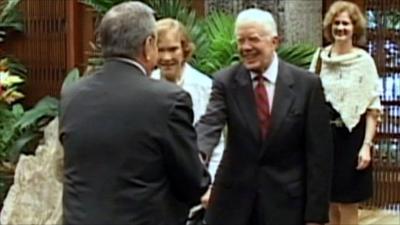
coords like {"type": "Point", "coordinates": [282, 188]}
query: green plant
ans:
{"type": "Point", "coordinates": [297, 54]}
{"type": "Point", "coordinates": [10, 17]}
{"type": "Point", "coordinates": [102, 6]}
{"type": "Point", "coordinates": [220, 45]}
{"type": "Point", "coordinates": [214, 35]}
{"type": "Point", "coordinates": [12, 72]}
{"type": "Point", "coordinates": [21, 130]}
{"type": "Point", "coordinates": [15, 67]}
{"type": "Point", "coordinates": [9, 83]}
{"type": "Point", "coordinates": [176, 9]}
{"type": "Point", "coordinates": [389, 19]}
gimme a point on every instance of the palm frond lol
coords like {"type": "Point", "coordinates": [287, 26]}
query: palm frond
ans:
{"type": "Point", "coordinates": [16, 67]}
{"type": "Point", "coordinates": [220, 47]}
{"type": "Point", "coordinates": [47, 106]}
{"type": "Point", "coordinates": [10, 17]}
{"type": "Point", "coordinates": [101, 6]}
{"type": "Point", "coordinates": [7, 7]}
{"type": "Point", "coordinates": [71, 78]}
{"type": "Point", "coordinates": [297, 54]}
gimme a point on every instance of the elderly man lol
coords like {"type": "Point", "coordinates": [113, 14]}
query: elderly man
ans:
{"type": "Point", "coordinates": [276, 168]}
{"type": "Point", "coordinates": [125, 163]}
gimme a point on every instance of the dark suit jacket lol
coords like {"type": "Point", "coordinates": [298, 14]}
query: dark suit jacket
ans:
{"type": "Point", "coordinates": [130, 150]}
{"type": "Point", "coordinates": [287, 176]}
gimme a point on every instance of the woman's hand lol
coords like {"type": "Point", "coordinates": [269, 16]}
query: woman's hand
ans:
{"type": "Point", "coordinates": [364, 157]}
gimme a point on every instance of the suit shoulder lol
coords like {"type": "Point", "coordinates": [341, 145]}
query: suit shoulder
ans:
{"type": "Point", "coordinates": [226, 74]}
{"type": "Point", "coordinates": [163, 86]}
{"type": "Point", "coordinates": [164, 89]}
{"type": "Point", "coordinates": [75, 88]}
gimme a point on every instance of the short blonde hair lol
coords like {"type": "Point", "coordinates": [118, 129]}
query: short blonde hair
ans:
{"type": "Point", "coordinates": [166, 25]}
{"type": "Point", "coordinates": [357, 18]}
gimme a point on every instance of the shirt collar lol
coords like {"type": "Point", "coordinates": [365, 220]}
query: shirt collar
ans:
{"type": "Point", "coordinates": [185, 68]}
{"type": "Point", "coordinates": [132, 62]}
{"type": "Point", "coordinates": [272, 71]}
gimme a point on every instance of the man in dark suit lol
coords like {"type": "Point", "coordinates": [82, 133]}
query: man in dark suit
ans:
{"type": "Point", "coordinates": [276, 168]}
{"type": "Point", "coordinates": [130, 147]}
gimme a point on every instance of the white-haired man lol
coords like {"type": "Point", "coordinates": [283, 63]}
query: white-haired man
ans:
{"type": "Point", "coordinates": [276, 168]}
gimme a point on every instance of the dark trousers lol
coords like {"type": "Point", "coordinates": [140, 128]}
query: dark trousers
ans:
{"type": "Point", "coordinates": [257, 216]}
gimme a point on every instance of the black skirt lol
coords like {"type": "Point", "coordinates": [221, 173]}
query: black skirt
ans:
{"type": "Point", "coordinates": [349, 185]}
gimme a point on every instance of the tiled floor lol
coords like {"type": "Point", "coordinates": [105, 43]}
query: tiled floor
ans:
{"type": "Point", "coordinates": [379, 217]}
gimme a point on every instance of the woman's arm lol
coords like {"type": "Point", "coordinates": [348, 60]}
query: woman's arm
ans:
{"type": "Point", "coordinates": [364, 155]}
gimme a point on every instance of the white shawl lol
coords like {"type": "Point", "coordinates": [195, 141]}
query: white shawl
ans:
{"type": "Point", "coordinates": [351, 83]}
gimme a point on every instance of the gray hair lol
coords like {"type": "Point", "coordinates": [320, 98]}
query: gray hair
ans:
{"type": "Point", "coordinates": [124, 29]}
{"type": "Point", "coordinates": [259, 16]}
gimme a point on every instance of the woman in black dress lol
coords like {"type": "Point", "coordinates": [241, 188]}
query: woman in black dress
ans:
{"type": "Point", "coordinates": [351, 86]}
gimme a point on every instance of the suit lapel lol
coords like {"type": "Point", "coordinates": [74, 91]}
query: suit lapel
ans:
{"type": "Point", "coordinates": [244, 96]}
{"type": "Point", "coordinates": [283, 99]}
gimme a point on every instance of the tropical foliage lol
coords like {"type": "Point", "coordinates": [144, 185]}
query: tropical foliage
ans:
{"type": "Point", "coordinates": [173, 9]}
{"type": "Point", "coordinates": [10, 17]}
{"type": "Point", "coordinates": [9, 83]}
{"type": "Point", "coordinates": [21, 130]}
{"type": "Point", "coordinates": [220, 47]}
{"type": "Point", "coordinates": [297, 54]}
{"type": "Point", "coordinates": [102, 6]}
{"type": "Point", "coordinates": [390, 19]}
{"type": "Point", "coordinates": [213, 35]}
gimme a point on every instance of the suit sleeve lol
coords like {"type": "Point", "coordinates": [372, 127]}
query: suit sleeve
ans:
{"type": "Point", "coordinates": [319, 156]}
{"type": "Point", "coordinates": [188, 176]}
{"type": "Point", "coordinates": [211, 124]}
{"type": "Point", "coordinates": [216, 156]}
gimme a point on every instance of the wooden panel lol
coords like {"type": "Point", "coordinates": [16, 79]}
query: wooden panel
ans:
{"type": "Point", "coordinates": [198, 5]}
{"type": "Point", "coordinates": [55, 39]}
{"type": "Point", "coordinates": [43, 49]}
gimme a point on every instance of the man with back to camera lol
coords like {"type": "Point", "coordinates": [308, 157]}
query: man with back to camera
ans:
{"type": "Point", "coordinates": [276, 168]}
{"type": "Point", "coordinates": [125, 163]}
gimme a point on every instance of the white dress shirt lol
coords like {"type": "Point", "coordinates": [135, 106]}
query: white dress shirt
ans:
{"type": "Point", "coordinates": [270, 76]}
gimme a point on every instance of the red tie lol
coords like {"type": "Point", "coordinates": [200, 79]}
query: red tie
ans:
{"type": "Point", "coordinates": [262, 105]}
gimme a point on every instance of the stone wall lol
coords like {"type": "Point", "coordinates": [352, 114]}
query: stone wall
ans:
{"type": "Point", "coordinates": [302, 21]}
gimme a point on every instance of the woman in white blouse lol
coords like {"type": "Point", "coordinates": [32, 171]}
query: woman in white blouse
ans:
{"type": "Point", "coordinates": [351, 86]}
{"type": "Point", "coordinates": [174, 51]}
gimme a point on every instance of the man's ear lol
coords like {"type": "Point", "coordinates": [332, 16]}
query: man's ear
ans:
{"type": "Point", "coordinates": [276, 41]}
{"type": "Point", "coordinates": [149, 46]}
